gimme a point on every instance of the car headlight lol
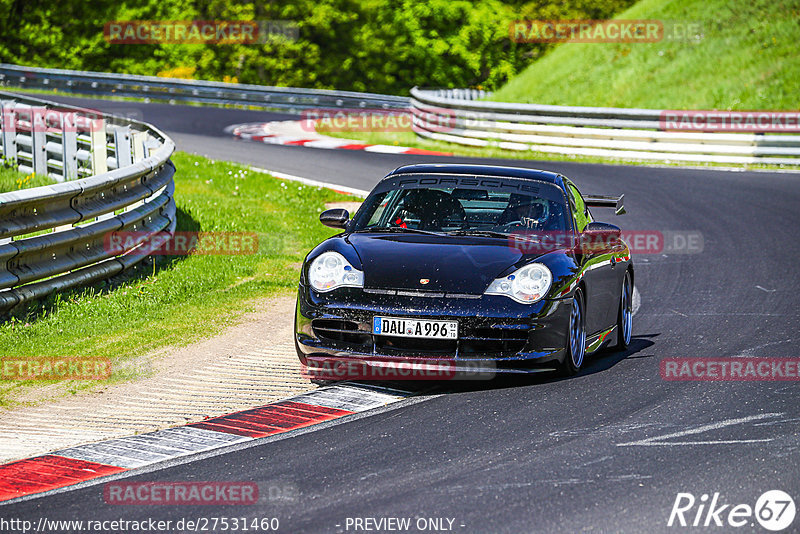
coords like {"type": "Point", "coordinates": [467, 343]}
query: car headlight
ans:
{"type": "Point", "coordinates": [330, 270]}
{"type": "Point", "coordinates": [526, 285]}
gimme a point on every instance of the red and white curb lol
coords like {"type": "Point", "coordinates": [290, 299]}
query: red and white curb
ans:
{"type": "Point", "coordinates": [74, 465]}
{"type": "Point", "coordinates": [304, 133]}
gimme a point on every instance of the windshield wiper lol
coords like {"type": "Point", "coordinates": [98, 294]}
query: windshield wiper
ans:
{"type": "Point", "coordinates": [482, 233]}
{"type": "Point", "coordinates": [397, 229]}
{"type": "Point", "coordinates": [400, 229]}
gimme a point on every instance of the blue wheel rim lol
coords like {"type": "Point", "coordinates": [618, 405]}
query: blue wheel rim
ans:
{"type": "Point", "coordinates": [627, 311]}
{"type": "Point", "coordinates": [577, 333]}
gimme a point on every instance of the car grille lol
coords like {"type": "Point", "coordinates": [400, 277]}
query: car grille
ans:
{"type": "Point", "coordinates": [408, 346]}
{"type": "Point", "coordinates": [498, 340]}
{"type": "Point", "coordinates": [341, 331]}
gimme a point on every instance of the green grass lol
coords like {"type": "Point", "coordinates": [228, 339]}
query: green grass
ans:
{"type": "Point", "coordinates": [164, 304]}
{"type": "Point", "coordinates": [746, 57]}
{"type": "Point", "coordinates": [12, 180]}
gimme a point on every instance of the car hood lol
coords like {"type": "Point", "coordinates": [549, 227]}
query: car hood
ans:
{"type": "Point", "coordinates": [450, 264]}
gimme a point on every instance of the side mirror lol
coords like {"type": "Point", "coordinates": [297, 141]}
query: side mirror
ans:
{"type": "Point", "coordinates": [603, 228]}
{"type": "Point", "coordinates": [600, 238]}
{"type": "Point", "coordinates": [335, 218]}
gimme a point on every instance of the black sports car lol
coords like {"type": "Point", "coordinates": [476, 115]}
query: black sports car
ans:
{"type": "Point", "coordinates": [484, 267]}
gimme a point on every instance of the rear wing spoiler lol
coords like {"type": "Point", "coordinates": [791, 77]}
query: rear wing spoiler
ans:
{"type": "Point", "coordinates": [599, 201]}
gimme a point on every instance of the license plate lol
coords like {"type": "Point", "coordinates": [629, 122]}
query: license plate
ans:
{"type": "Point", "coordinates": [426, 328]}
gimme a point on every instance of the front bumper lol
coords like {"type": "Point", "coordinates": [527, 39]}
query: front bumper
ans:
{"type": "Point", "coordinates": [494, 331]}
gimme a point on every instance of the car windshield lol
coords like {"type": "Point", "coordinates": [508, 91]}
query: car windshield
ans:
{"type": "Point", "coordinates": [459, 210]}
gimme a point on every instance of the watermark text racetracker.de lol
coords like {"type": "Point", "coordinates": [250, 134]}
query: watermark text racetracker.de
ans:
{"type": "Point", "coordinates": [757, 369]}
{"type": "Point", "coordinates": [332, 368]}
{"type": "Point", "coordinates": [54, 368]}
{"type": "Point", "coordinates": [204, 523]}
{"type": "Point", "coordinates": [199, 493]}
{"type": "Point", "coordinates": [604, 31]}
{"type": "Point", "coordinates": [180, 243]}
{"type": "Point", "coordinates": [598, 242]}
{"type": "Point", "coordinates": [352, 120]}
{"type": "Point", "coordinates": [199, 31]}
{"type": "Point", "coordinates": [181, 493]}
{"type": "Point", "coordinates": [730, 121]}
{"type": "Point", "coordinates": [55, 120]}
{"type": "Point", "coordinates": [774, 510]}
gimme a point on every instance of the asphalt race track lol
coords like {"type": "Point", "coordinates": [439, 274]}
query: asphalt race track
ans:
{"type": "Point", "coordinates": [605, 451]}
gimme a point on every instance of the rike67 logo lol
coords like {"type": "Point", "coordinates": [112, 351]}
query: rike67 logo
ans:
{"type": "Point", "coordinates": [774, 510]}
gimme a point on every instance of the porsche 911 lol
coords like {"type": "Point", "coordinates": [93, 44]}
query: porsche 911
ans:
{"type": "Point", "coordinates": [482, 267]}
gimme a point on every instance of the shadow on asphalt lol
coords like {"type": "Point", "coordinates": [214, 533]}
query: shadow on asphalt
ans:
{"type": "Point", "coordinates": [597, 363]}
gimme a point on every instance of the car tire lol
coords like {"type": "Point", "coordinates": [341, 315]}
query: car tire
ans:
{"type": "Point", "coordinates": [576, 336]}
{"type": "Point", "coordinates": [625, 314]}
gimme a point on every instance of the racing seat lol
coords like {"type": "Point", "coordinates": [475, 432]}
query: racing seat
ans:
{"type": "Point", "coordinates": [434, 209]}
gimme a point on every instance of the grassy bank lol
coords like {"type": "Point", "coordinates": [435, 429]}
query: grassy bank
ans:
{"type": "Point", "coordinates": [11, 179]}
{"type": "Point", "coordinates": [179, 299]}
{"type": "Point", "coordinates": [743, 56]}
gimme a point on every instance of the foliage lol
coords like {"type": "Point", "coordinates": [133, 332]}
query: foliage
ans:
{"type": "Point", "coordinates": [384, 46]}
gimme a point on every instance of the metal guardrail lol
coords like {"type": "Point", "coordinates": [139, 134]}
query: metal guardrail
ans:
{"type": "Point", "coordinates": [452, 115]}
{"type": "Point", "coordinates": [115, 176]}
{"type": "Point", "coordinates": [195, 91]}
{"type": "Point", "coordinates": [457, 116]}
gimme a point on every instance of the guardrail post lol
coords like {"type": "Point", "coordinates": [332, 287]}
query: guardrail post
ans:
{"type": "Point", "coordinates": [138, 143]}
{"type": "Point", "coordinates": [149, 145]}
{"type": "Point", "coordinates": [99, 148]}
{"type": "Point", "coordinates": [9, 130]}
{"type": "Point", "coordinates": [69, 145]}
{"type": "Point", "coordinates": [122, 146]}
{"type": "Point", "coordinates": [38, 140]}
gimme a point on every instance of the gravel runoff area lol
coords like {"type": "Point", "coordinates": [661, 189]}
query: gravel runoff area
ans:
{"type": "Point", "coordinates": [249, 364]}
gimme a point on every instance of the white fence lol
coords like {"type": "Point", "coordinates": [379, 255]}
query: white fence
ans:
{"type": "Point", "coordinates": [115, 176]}
{"type": "Point", "coordinates": [457, 116]}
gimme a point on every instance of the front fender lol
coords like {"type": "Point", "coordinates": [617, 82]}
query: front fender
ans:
{"type": "Point", "coordinates": [337, 243]}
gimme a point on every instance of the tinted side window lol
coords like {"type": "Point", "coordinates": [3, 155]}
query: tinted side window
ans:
{"type": "Point", "coordinates": [580, 212]}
